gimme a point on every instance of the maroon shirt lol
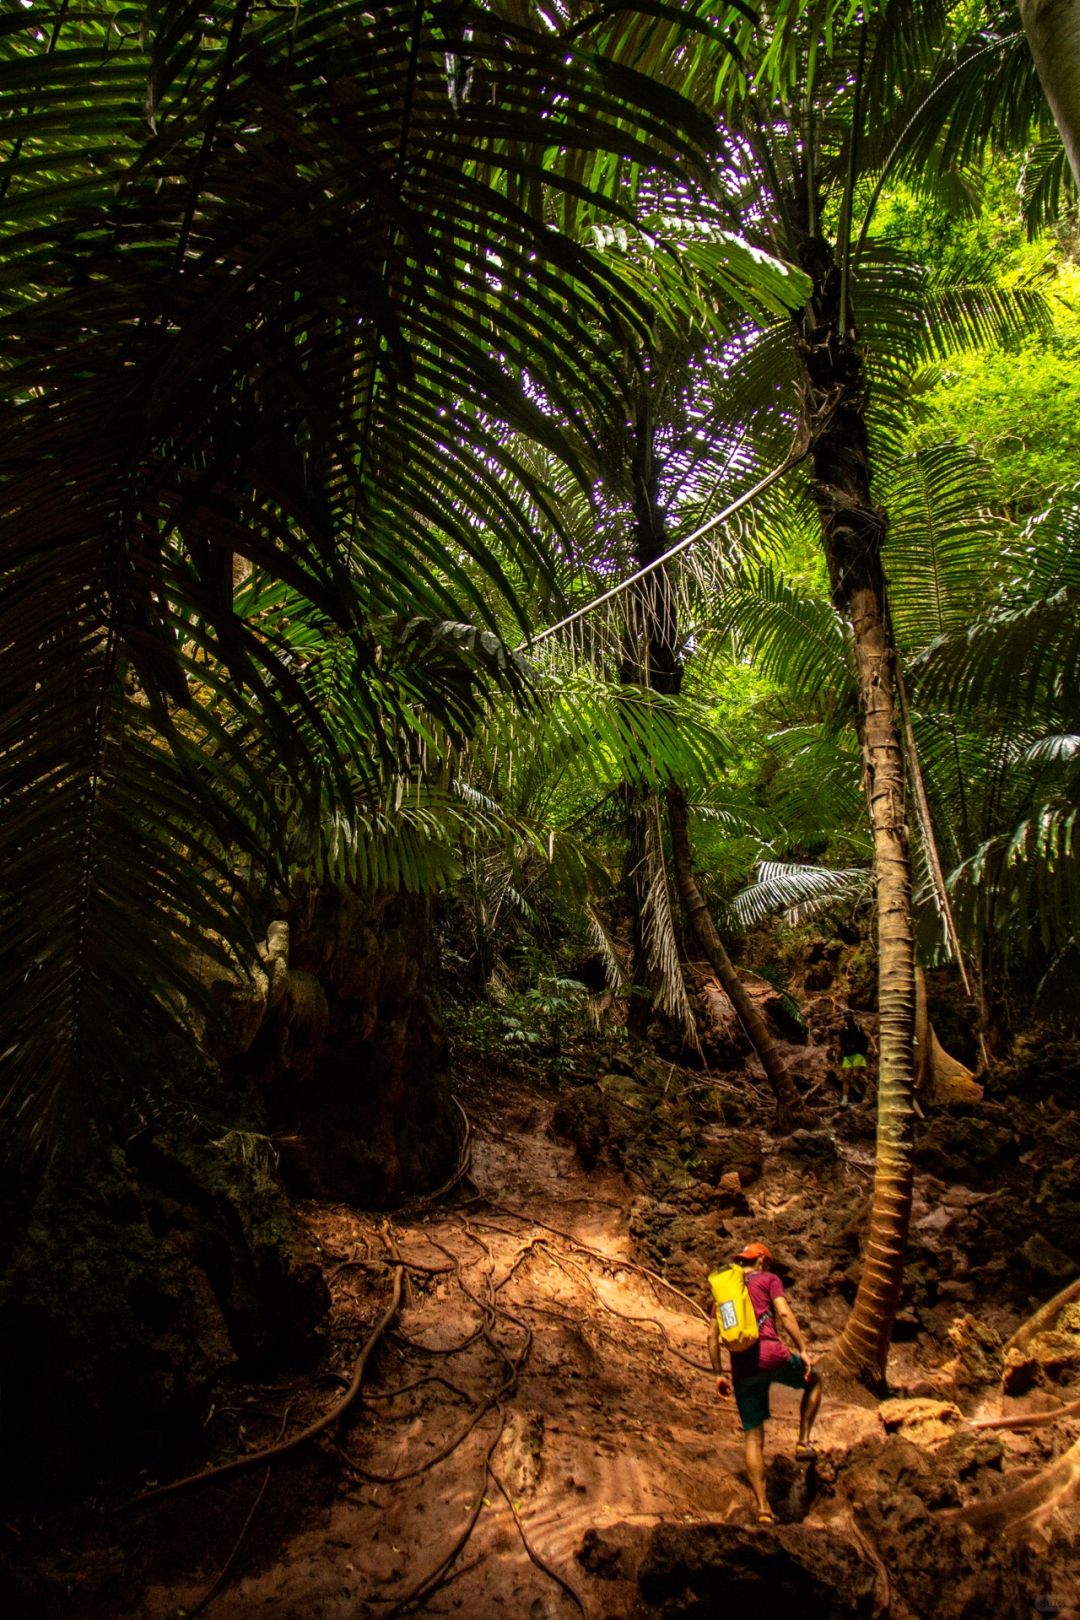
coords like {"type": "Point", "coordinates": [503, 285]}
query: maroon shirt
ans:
{"type": "Point", "coordinates": [764, 1287]}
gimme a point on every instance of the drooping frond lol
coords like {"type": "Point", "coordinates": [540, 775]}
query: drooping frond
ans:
{"type": "Point", "coordinates": [281, 295]}
{"type": "Point", "coordinates": [614, 971]}
{"type": "Point", "coordinates": [1018, 654]}
{"type": "Point", "coordinates": [658, 926]}
{"type": "Point", "coordinates": [1033, 871]}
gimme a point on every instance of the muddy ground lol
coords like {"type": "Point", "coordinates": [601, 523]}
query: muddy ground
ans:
{"type": "Point", "coordinates": [537, 1432]}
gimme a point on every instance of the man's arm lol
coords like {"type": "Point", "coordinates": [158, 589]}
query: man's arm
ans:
{"type": "Point", "coordinates": [791, 1326]}
{"type": "Point", "coordinates": [723, 1385]}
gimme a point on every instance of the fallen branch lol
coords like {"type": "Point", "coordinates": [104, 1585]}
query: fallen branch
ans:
{"type": "Point", "coordinates": [271, 1454]}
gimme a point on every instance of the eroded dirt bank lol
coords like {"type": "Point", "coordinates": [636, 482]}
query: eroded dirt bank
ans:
{"type": "Point", "coordinates": [538, 1433]}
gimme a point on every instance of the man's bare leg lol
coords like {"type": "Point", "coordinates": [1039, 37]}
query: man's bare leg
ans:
{"type": "Point", "coordinates": [809, 1407]}
{"type": "Point", "coordinates": [755, 1465]}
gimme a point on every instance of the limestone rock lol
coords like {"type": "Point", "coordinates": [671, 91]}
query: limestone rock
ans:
{"type": "Point", "coordinates": [1049, 1358]}
{"type": "Point", "coordinates": [979, 1354]}
{"type": "Point", "coordinates": [925, 1422]}
{"type": "Point", "coordinates": [812, 1146]}
{"type": "Point", "coordinates": [697, 1572]}
{"type": "Point", "coordinates": [1045, 1260]}
{"type": "Point", "coordinates": [519, 1453]}
{"type": "Point", "coordinates": [968, 1149]}
{"type": "Point", "coordinates": [785, 1018]}
{"type": "Point", "coordinates": [600, 1556]}
{"type": "Point", "coordinates": [724, 1152]}
{"type": "Point", "coordinates": [886, 1475]}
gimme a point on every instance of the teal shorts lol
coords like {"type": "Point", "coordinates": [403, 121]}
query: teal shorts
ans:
{"type": "Point", "coordinates": [752, 1392]}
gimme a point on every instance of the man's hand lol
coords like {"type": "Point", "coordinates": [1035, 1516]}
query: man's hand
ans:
{"type": "Point", "coordinates": [723, 1387]}
{"type": "Point", "coordinates": [808, 1367]}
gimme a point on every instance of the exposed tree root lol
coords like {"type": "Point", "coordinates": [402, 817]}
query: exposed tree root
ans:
{"type": "Point", "coordinates": [1013, 1508]}
{"type": "Point", "coordinates": [226, 1569]}
{"type": "Point", "coordinates": [450, 1447]}
{"type": "Point", "coordinates": [598, 1254]}
{"type": "Point", "coordinates": [642, 1321]}
{"type": "Point", "coordinates": [546, 1569]}
{"type": "Point", "coordinates": [380, 1265]}
{"type": "Point", "coordinates": [281, 1448]}
{"type": "Point", "coordinates": [1043, 1317]}
{"type": "Point", "coordinates": [438, 1349]}
{"type": "Point", "coordinates": [883, 1585]}
{"type": "Point", "coordinates": [1028, 1420]}
{"type": "Point", "coordinates": [489, 1310]}
{"type": "Point", "coordinates": [416, 1383]}
{"type": "Point", "coordinates": [461, 1170]}
{"type": "Point", "coordinates": [437, 1576]}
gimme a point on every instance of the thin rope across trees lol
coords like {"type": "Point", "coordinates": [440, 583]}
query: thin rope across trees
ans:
{"type": "Point", "coordinates": [799, 451]}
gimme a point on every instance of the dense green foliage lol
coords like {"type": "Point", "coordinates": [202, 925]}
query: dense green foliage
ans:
{"type": "Point", "coordinates": [330, 342]}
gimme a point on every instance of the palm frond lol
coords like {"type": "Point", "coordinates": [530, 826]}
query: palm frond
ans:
{"type": "Point", "coordinates": [1015, 660]}
{"type": "Point", "coordinates": [793, 636]}
{"type": "Point", "coordinates": [942, 542]}
{"type": "Point", "coordinates": [658, 927]}
{"type": "Point", "coordinates": [799, 893]}
{"type": "Point", "coordinates": [274, 305]}
{"type": "Point", "coordinates": [614, 971]}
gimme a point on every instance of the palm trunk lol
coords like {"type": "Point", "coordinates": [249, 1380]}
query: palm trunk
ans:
{"type": "Point", "coordinates": [658, 666]}
{"type": "Point", "coordinates": [650, 659]}
{"type": "Point", "coordinates": [834, 410]}
{"type": "Point", "coordinates": [1053, 33]}
{"type": "Point", "coordinates": [701, 923]}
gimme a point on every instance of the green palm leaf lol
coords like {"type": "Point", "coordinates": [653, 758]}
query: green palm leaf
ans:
{"type": "Point", "coordinates": [275, 306]}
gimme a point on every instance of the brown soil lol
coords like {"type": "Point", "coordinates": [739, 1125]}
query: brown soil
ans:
{"type": "Point", "coordinates": [541, 1405]}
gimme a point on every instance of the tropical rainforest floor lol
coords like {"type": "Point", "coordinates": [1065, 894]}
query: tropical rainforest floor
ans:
{"type": "Point", "coordinates": [537, 1432]}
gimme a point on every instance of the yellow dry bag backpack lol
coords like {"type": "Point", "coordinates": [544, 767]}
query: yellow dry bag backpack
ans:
{"type": "Point", "coordinates": [735, 1316]}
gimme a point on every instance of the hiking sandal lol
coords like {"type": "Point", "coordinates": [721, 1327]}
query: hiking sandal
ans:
{"type": "Point", "coordinates": [766, 1517]}
{"type": "Point", "coordinates": [805, 1452]}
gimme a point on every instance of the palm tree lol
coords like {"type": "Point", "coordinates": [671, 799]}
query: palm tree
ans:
{"type": "Point", "coordinates": [809, 157]}
{"type": "Point", "coordinates": [658, 464]}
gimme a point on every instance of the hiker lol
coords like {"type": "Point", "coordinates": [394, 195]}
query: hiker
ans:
{"type": "Point", "coordinates": [765, 1361]}
{"type": "Point", "coordinates": [854, 1045]}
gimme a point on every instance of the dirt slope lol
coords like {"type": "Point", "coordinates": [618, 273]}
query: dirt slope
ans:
{"type": "Point", "coordinates": [540, 1404]}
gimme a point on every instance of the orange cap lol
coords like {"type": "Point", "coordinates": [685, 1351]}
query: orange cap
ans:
{"type": "Point", "coordinates": [754, 1251]}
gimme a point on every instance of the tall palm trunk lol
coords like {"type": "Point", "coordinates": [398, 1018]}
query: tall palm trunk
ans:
{"type": "Point", "coordinates": [650, 658]}
{"type": "Point", "coordinates": [834, 413]}
{"type": "Point", "coordinates": [704, 930]}
{"type": "Point", "coordinates": [659, 667]}
{"type": "Point", "coordinates": [1053, 32]}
